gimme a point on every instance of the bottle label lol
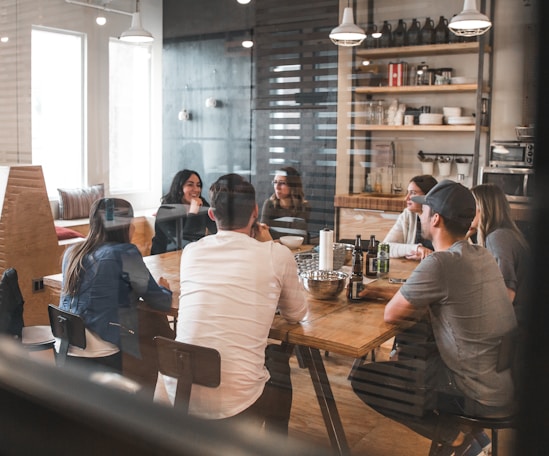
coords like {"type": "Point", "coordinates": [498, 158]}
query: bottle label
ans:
{"type": "Point", "coordinates": [356, 288]}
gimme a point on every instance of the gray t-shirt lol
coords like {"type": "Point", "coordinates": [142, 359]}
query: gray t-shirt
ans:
{"type": "Point", "coordinates": [512, 258]}
{"type": "Point", "coordinates": [467, 301]}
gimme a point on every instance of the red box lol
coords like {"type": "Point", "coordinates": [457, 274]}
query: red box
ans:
{"type": "Point", "coordinates": [397, 74]}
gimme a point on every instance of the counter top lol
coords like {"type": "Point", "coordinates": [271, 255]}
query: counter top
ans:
{"type": "Point", "coordinates": [395, 203]}
{"type": "Point", "coordinates": [375, 201]}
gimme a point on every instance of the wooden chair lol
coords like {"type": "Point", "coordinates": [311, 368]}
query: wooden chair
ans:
{"type": "Point", "coordinates": [508, 357]}
{"type": "Point", "coordinates": [33, 338]}
{"type": "Point", "coordinates": [189, 364]}
{"type": "Point", "coordinates": [69, 328]}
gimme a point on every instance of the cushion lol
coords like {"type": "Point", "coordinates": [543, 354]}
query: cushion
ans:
{"type": "Point", "coordinates": [66, 233]}
{"type": "Point", "coordinates": [75, 203]}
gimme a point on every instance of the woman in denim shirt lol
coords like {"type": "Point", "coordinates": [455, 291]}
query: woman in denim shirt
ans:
{"type": "Point", "coordinates": [104, 278]}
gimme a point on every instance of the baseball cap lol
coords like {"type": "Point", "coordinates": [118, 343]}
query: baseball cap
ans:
{"type": "Point", "coordinates": [451, 200]}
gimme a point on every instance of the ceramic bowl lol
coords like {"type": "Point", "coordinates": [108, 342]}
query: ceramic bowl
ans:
{"type": "Point", "coordinates": [323, 284]}
{"type": "Point", "coordinates": [293, 242]}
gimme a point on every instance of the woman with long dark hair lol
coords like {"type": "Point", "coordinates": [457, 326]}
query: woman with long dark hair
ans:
{"type": "Point", "coordinates": [183, 216]}
{"type": "Point", "coordinates": [104, 280]}
{"type": "Point", "coordinates": [286, 211]}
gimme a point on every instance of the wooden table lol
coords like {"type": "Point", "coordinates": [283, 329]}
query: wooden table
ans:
{"type": "Point", "coordinates": [335, 325]}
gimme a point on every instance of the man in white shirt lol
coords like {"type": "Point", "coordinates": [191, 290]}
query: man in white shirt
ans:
{"type": "Point", "coordinates": [232, 283]}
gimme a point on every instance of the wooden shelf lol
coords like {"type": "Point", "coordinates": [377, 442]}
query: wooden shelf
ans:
{"type": "Point", "coordinates": [441, 128]}
{"type": "Point", "coordinates": [421, 50]}
{"type": "Point", "coordinates": [417, 89]}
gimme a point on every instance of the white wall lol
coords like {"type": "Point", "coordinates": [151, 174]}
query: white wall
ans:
{"type": "Point", "coordinates": [15, 104]}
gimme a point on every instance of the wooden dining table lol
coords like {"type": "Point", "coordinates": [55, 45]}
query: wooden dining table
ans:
{"type": "Point", "coordinates": [334, 325]}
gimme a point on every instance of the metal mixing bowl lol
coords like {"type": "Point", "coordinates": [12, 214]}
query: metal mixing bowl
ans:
{"type": "Point", "coordinates": [323, 284]}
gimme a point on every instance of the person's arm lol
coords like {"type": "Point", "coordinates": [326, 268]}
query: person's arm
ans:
{"type": "Point", "coordinates": [266, 211]}
{"type": "Point", "coordinates": [143, 283]}
{"type": "Point", "coordinates": [399, 309]}
{"type": "Point", "coordinates": [160, 239]}
{"type": "Point", "coordinates": [292, 302]}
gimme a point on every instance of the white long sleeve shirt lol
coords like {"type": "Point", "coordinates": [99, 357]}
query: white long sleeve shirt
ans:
{"type": "Point", "coordinates": [401, 237]}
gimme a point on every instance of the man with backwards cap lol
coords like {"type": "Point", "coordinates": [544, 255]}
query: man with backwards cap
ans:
{"type": "Point", "coordinates": [460, 290]}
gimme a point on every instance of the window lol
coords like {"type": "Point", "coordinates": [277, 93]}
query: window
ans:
{"type": "Point", "coordinates": [129, 117]}
{"type": "Point", "coordinates": [58, 107]}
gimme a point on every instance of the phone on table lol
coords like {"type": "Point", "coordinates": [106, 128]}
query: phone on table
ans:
{"type": "Point", "coordinates": [396, 280]}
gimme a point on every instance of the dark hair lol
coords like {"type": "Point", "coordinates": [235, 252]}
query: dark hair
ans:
{"type": "Point", "coordinates": [293, 180]}
{"type": "Point", "coordinates": [104, 228]}
{"type": "Point", "coordinates": [425, 182]}
{"type": "Point", "coordinates": [232, 201]}
{"type": "Point", "coordinates": [175, 194]}
{"type": "Point", "coordinates": [454, 227]}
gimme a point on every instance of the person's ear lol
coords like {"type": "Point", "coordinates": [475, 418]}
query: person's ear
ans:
{"type": "Point", "coordinates": [211, 214]}
{"type": "Point", "coordinates": [255, 212]}
{"type": "Point", "coordinates": [436, 220]}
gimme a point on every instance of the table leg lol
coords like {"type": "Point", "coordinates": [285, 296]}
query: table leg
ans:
{"type": "Point", "coordinates": [312, 359]}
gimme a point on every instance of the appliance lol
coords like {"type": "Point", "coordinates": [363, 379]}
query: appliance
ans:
{"type": "Point", "coordinates": [511, 153]}
{"type": "Point", "coordinates": [516, 183]}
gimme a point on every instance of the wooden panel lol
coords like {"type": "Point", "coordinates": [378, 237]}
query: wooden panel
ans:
{"type": "Point", "coordinates": [28, 241]}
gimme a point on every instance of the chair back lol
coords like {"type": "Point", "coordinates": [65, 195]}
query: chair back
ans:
{"type": "Point", "coordinates": [11, 304]}
{"type": "Point", "coordinates": [188, 364]}
{"type": "Point", "coordinates": [69, 328]}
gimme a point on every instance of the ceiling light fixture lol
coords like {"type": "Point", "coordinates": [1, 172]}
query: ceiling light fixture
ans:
{"type": "Point", "coordinates": [136, 33]}
{"type": "Point", "coordinates": [470, 22]}
{"type": "Point", "coordinates": [100, 20]}
{"type": "Point", "coordinates": [347, 34]}
{"type": "Point", "coordinates": [247, 44]}
{"type": "Point", "coordinates": [243, 2]}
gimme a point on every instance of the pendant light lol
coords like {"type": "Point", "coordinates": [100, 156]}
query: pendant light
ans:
{"type": "Point", "coordinates": [347, 34]}
{"type": "Point", "coordinates": [136, 33]}
{"type": "Point", "coordinates": [470, 22]}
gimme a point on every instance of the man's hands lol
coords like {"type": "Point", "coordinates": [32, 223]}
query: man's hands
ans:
{"type": "Point", "coordinates": [260, 231]}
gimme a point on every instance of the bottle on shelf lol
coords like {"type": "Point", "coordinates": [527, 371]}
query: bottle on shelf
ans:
{"type": "Point", "coordinates": [369, 113]}
{"type": "Point", "coordinates": [422, 74]}
{"type": "Point", "coordinates": [386, 38]}
{"type": "Point", "coordinates": [428, 32]}
{"type": "Point", "coordinates": [382, 261]}
{"type": "Point", "coordinates": [371, 42]}
{"type": "Point", "coordinates": [356, 280]}
{"type": "Point", "coordinates": [371, 257]}
{"type": "Point", "coordinates": [379, 114]}
{"type": "Point", "coordinates": [441, 31]}
{"type": "Point", "coordinates": [399, 34]}
{"type": "Point", "coordinates": [413, 33]}
{"type": "Point", "coordinates": [377, 186]}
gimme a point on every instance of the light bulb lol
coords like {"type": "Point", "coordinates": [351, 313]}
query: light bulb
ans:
{"type": "Point", "coordinates": [100, 20]}
{"type": "Point", "coordinates": [247, 44]}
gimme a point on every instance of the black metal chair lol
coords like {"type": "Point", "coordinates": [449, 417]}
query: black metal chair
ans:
{"type": "Point", "coordinates": [69, 328]}
{"type": "Point", "coordinates": [189, 364]}
{"type": "Point", "coordinates": [32, 338]}
{"type": "Point", "coordinates": [508, 358]}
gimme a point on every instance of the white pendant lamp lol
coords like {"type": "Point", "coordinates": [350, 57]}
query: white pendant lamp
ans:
{"type": "Point", "coordinates": [347, 34]}
{"type": "Point", "coordinates": [136, 33]}
{"type": "Point", "coordinates": [470, 22]}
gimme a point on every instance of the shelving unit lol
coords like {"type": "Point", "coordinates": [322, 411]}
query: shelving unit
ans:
{"type": "Point", "coordinates": [477, 89]}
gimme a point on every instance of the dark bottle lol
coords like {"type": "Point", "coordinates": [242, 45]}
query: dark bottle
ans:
{"type": "Point", "coordinates": [371, 257]}
{"type": "Point", "coordinates": [109, 209]}
{"type": "Point", "coordinates": [399, 34]}
{"type": "Point", "coordinates": [452, 37]}
{"type": "Point", "coordinates": [355, 282]}
{"type": "Point", "coordinates": [386, 38]}
{"type": "Point", "coordinates": [371, 42]}
{"type": "Point", "coordinates": [442, 31]}
{"type": "Point", "coordinates": [428, 32]}
{"type": "Point", "coordinates": [413, 34]}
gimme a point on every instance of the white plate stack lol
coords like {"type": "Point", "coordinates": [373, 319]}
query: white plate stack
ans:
{"type": "Point", "coordinates": [460, 120]}
{"type": "Point", "coordinates": [428, 118]}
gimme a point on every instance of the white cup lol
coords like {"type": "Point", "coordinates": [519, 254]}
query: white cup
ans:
{"type": "Point", "coordinates": [463, 168]}
{"type": "Point", "coordinates": [408, 119]}
{"type": "Point", "coordinates": [444, 168]}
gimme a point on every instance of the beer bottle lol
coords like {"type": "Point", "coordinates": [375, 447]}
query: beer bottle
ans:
{"type": "Point", "coordinates": [355, 282]}
{"type": "Point", "coordinates": [371, 258]}
{"type": "Point", "coordinates": [383, 261]}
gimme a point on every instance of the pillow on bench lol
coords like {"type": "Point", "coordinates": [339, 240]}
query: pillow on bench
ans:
{"type": "Point", "coordinates": [66, 233]}
{"type": "Point", "coordinates": [75, 203]}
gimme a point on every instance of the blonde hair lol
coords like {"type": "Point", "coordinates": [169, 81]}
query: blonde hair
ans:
{"type": "Point", "coordinates": [495, 212]}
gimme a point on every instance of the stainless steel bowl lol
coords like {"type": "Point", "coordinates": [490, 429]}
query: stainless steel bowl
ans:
{"type": "Point", "coordinates": [323, 284]}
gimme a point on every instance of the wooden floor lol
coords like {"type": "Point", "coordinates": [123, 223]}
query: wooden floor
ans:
{"type": "Point", "coordinates": [368, 433]}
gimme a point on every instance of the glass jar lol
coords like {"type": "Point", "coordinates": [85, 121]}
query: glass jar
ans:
{"type": "Point", "coordinates": [379, 115]}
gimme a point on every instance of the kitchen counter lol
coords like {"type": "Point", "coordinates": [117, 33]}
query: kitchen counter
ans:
{"type": "Point", "coordinates": [373, 201]}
